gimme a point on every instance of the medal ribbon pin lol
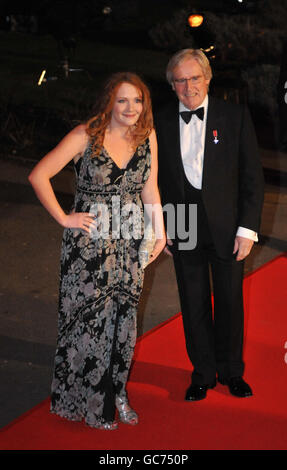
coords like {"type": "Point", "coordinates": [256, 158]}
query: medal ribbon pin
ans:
{"type": "Point", "coordinates": [215, 140]}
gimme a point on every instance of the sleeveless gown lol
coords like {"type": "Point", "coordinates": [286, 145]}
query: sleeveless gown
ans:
{"type": "Point", "coordinates": [100, 284]}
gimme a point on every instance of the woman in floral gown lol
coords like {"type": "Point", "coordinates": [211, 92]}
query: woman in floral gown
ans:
{"type": "Point", "coordinates": [115, 156]}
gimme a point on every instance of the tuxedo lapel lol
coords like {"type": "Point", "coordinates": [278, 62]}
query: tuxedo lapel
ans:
{"type": "Point", "coordinates": [214, 125]}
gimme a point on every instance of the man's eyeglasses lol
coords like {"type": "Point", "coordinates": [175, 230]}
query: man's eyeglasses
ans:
{"type": "Point", "coordinates": [183, 81]}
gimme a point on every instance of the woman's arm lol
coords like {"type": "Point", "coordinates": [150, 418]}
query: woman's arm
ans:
{"type": "Point", "coordinates": [152, 203]}
{"type": "Point", "coordinates": [73, 143]}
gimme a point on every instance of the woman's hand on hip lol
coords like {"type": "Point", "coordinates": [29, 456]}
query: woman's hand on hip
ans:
{"type": "Point", "coordinates": [82, 220]}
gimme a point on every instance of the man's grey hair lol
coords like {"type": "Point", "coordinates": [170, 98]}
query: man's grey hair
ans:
{"type": "Point", "coordinates": [184, 54]}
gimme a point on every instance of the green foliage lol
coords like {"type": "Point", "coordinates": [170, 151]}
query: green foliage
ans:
{"type": "Point", "coordinates": [242, 38]}
{"type": "Point", "coordinates": [262, 87]}
{"type": "Point", "coordinates": [250, 43]}
{"type": "Point", "coordinates": [173, 34]}
{"type": "Point", "coordinates": [247, 38]}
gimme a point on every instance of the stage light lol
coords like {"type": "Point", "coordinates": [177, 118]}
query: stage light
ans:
{"type": "Point", "coordinates": [208, 49]}
{"type": "Point", "coordinates": [41, 79]}
{"type": "Point", "coordinates": [107, 10]}
{"type": "Point", "coordinates": [195, 20]}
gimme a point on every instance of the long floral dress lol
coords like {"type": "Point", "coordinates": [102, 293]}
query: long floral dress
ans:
{"type": "Point", "coordinates": [100, 285]}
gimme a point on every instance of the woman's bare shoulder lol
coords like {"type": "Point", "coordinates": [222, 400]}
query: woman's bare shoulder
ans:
{"type": "Point", "coordinates": [152, 134]}
{"type": "Point", "coordinates": [153, 139]}
{"type": "Point", "coordinates": [78, 137]}
{"type": "Point", "coordinates": [80, 131]}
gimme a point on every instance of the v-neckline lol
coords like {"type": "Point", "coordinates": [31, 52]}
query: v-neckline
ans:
{"type": "Point", "coordinates": [110, 157]}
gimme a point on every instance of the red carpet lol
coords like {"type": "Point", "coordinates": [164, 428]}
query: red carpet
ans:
{"type": "Point", "coordinates": [160, 375]}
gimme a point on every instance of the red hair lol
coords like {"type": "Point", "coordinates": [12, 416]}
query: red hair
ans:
{"type": "Point", "coordinates": [96, 126]}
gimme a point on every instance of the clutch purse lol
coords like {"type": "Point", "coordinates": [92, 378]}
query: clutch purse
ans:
{"type": "Point", "coordinates": [146, 246]}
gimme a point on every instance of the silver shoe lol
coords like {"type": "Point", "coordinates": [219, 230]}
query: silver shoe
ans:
{"type": "Point", "coordinates": [127, 414]}
{"type": "Point", "coordinates": [109, 426]}
{"type": "Point", "coordinates": [105, 426]}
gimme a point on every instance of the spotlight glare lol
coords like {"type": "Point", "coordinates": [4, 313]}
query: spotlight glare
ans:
{"type": "Point", "coordinates": [41, 79]}
{"type": "Point", "coordinates": [195, 20]}
{"type": "Point", "coordinates": [107, 10]}
{"type": "Point", "coordinates": [208, 49]}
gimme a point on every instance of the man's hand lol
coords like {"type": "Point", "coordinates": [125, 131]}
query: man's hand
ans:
{"type": "Point", "coordinates": [243, 247]}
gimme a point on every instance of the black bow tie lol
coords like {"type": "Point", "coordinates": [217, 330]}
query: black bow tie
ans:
{"type": "Point", "coordinates": [186, 115]}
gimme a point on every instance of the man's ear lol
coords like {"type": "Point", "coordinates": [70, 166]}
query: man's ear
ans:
{"type": "Point", "coordinates": [172, 86]}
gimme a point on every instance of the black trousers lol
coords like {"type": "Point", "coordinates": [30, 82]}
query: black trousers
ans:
{"type": "Point", "coordinates": [213, 334]}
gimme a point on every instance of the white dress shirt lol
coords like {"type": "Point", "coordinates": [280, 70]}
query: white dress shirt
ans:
{"type": "Point", "coordinates": [192, 143]}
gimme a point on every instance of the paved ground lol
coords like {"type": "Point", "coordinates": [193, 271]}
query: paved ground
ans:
{"type": "Point", "coordinates": [30, 247]}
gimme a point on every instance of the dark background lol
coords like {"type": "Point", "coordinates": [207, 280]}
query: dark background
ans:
{"type": "Point", "coordinates": [79, 43]}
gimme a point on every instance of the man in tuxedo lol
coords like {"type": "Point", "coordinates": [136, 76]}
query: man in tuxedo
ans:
{"type": "Point", "coordinates": [209, 158]}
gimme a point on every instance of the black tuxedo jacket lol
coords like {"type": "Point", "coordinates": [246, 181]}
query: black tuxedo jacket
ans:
{"type": "Point", "coordinates": [232, 184]}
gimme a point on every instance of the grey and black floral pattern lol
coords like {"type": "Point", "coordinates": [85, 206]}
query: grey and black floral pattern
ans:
{"type": "Point", "coordinates": [100, 285]}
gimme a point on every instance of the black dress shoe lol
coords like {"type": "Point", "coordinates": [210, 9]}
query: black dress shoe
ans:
{"type": "Point", "coordinates": [197, 392]}
{"type": "Point", "coordinates": [237, 387]}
